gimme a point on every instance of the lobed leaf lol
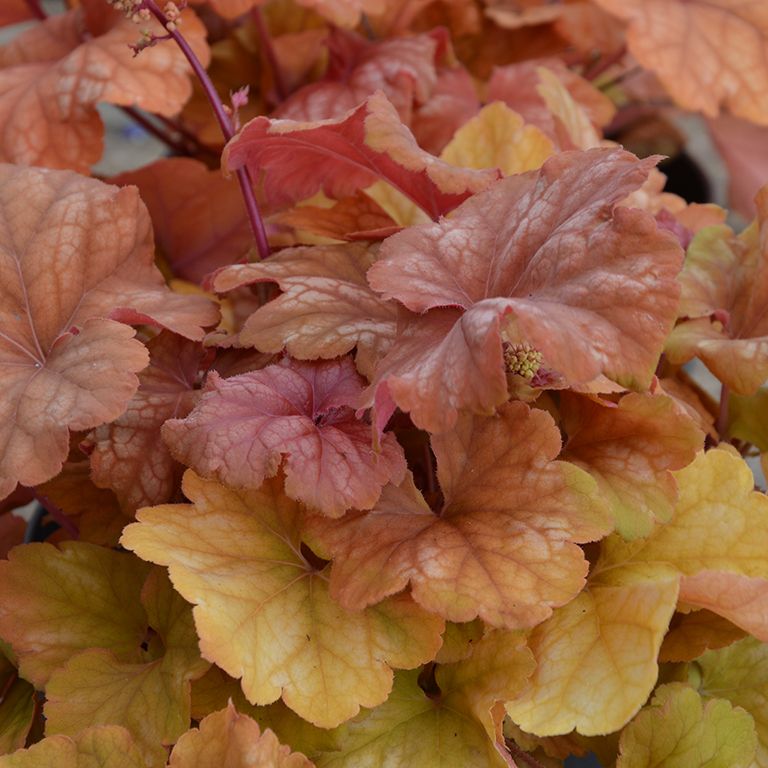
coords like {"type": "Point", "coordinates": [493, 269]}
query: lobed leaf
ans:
{"type": "Point", "coordinates": [739, 673]}
{"type": "Point", "coordinates": [55, 603]}
{"type": "Point", "coordinates": [325, 310]}
{"type": "Point", "coordinates": [495, 270]}
{"type": "Point", "coordinates": [235, 740]}
{"type": "Point", "coordinates": [263, 611]}
{"type": "Point", "coordinates": [102, 746]}
{"type": "Point", "coordinates": [451, 729]}
{"type": "Point", "coordinates": [151, 698]}
{"type": "Point", "coordinates": [631, 450]}
{"type": "Point", "coordinates": [65, 365]}
{"type": "Point", "coordinates": [295, 415]}
{"type": "Point", "coordinates": [54, 74]}
{"type": "Point", "coordinates": [503, 547]}
{"type": "Point", "coordinates": [679, 730]}
{"type": "Point", "coordinates": [197, 215]}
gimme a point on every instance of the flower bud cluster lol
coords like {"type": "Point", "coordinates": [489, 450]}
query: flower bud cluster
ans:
{"type": "Point", "coordinates": [132, 9]}
{"type": "Point", "coordinates": [522, 360]}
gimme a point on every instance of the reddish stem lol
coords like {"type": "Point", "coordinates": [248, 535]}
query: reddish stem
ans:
{"type": "Point", "coordinates": [176, 127]}
{"type": "Point", "coordinates": [243, 177]}
{"type": "Point", "coordinates": [57, 514]}
{"type": "Point", "coordinates": [721, 425]}
{"type": "Point", "coordinates": [269, 52]}
{"type": "Point", "coordinates": [604, 63]}
{"type": "Point", "coordinates": [37, 10]}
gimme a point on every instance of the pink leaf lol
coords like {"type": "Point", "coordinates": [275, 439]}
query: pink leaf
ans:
{"type": "Point", "coordinates": [293, 414]}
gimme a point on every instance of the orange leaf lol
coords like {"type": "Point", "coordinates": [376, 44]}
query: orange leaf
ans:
{"type": "Point", "coordinates": [503, 548]}
{"type": "Point", "coordinates": [233, 740]}
{"type": "Point", "coordinates": [198, 215]}
{"type": "Point", "coordinates": [62, 364]}
{"type": "Point", "coordinates": [263, 611]}
{"type": "Point", "coordinates": [326, 307]}
{"type": "Point", "coordinates": [707, 53]}
{"type": "Point", "coordinates": [55, 74]}
{"type": "Point", "coordinates": [631, 451]}
{"type": "Point", "coordinates": [691, 634]}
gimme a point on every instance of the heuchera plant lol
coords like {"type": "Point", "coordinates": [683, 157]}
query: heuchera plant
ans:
{"type": "Point", "coordinates": [362, 419]}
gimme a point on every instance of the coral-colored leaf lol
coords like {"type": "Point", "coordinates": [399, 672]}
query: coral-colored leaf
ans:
{"type": "Point", "coordinates": [342, 155]}
{"type": "Point", "coordinates": [604, 308]}
{"type": "Point", "coordinates": [596, 659]}
{"type": "Point", "coordinates": [326, 307]}
{"type": "Point", "coordinates": [56, 603]}
{"type": "Point", "coordinates": [151, 698]}
{"type": "Point", "coordinates": [54, 74]}
{"type": "Point", "coordinates": [630, 450]}
{"type": "Point", "coordinates": [690, 634]}
{"type": "Point", "coordinates": [679, 730]}
{"type": "Point", "coordinates": [295, 414]}
{"type": "Point", "coordinates": [198, 215]}
{"type": "Point", "coordinates": [502, 548]}
{"type": "Point", "coordinates": [128, 454]}
{"type": "Point", "coordinates": [90, 246]}
{"type": "Point", "coordinates": [707, 53]}
{"type": "Point", "coordinates": [263, 612]}
{"type": "Point", "coordinates": [105, 746]}
{"type": "Point", "coordinates": [402, 68]}
{"type": "Point", "coordinates": [230, 739]}
{"type": "Point", "coordinates": [742, 600]}
{"type": "Point", "coordinates": [725, 291]}
{"type": "Point", "coordinates": [451, 730]}
{"type": "Point", "coordinates": [497, 137]}
{"type": "Point", "coordinates": [344, 13]}
{"type": "Point", "coordinates": [739, 673]}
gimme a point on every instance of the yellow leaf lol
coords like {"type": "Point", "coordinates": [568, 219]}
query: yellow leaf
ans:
{"type": "Point", "coordinates": [448, 728]}
{"type": "Point", "coordinates": [150, 699]}
{"type": "Point", "coordinates": [105, 746]}
{"type": "Point", "coordinates": [679, 731]}
{"type": "Point", "coordinates": [596, 659]}
{"type": "Point", "coordinates": [720, 523]}
{"type": "Point", "coordinates": [739, 673]}
{"type": "Point", "coordinates": [262, 608]}
{"type": "Point", "coordinates": [229, 739]}
{"type": "Point", "coordinates": [497, 137]}
{"type": "Point", "coordinates": [55, 603]}
{"type": "Point", "coordinates": [17, 707]}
